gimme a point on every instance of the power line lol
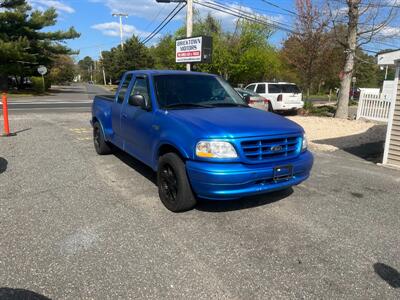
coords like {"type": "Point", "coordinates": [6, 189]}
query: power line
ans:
{"type": "Point", "coordinates": [242, 12]}
{"type": "Point", "coordinates": [244, 15]}
{"type": "Point", "coordinates": [280, 7]}
{"type": "Point", "coordinates": [155, 17]}
{"type": "Point", "coordinates": [164, 23]}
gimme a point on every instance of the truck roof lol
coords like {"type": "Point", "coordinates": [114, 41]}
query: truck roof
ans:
{"type": "Point", "coordinates": [167, 72]}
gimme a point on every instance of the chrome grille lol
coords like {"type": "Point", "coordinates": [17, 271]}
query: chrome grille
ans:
{"type": "Point", "coordinates": [270, 149]}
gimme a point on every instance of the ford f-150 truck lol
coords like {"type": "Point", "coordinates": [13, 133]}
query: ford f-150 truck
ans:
{"type": "Point", "coordinates": [200, 136]}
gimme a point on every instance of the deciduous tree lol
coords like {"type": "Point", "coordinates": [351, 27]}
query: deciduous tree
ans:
{"type": "Point", "coordinates": [365, 21]}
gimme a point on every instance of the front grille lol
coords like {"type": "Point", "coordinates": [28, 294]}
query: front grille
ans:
{"type": "Point", "coordinates": [271, 149]}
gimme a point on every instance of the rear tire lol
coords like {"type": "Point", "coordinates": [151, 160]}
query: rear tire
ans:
{"type": "Point", "coordinates": [270, 108]}
{"type": "Point", "coordinates": [100, 144]}
{"type": "Point", "coordinates": [173, 185]}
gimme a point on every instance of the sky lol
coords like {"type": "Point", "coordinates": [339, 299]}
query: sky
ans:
{"type": "Point", "coordinates": [100, 30]}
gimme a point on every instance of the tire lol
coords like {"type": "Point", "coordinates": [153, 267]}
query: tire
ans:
{"type": "Point", "coordinates": [173, 185]}
{"type": "Point", "coordinates": [270, 108]}
{"type": "Point", "coordinates": [100, 144]}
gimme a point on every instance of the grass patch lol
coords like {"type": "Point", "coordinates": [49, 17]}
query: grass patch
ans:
{"type": "Point", "coordinates": [111, 88]}
{"type": "Point", "coordinates": [25, 93]}
{"type": "Point", "coordinates": [310, 109]}
{"type": "Point", "coordinates": [320, 97]}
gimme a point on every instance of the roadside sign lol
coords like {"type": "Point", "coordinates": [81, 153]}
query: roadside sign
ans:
{"type": "Point", "coordinates": [354, 79]}
{"type": "Point", "coordinates": [42, 70]}
{"type": "Point", "coordinates": [195, 49]}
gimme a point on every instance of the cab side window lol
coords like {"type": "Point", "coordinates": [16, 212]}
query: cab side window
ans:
{"type": "Point", "coordinates": [274, 89]}
{"type": "Point", "coordinates": [260, 88]}
{"type": "Point", "coordinates": [140, 88]}
{"type": "Point", "coordinates": [251, 87]}
{"type": "Point", "coordinates": [124, 88]}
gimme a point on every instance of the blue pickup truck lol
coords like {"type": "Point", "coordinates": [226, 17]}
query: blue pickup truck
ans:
{"type": "Point", "coordinates": [200, 136]}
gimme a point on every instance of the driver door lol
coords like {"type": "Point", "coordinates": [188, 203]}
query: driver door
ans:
{"type": "Point", "coordinates": [137, 122]}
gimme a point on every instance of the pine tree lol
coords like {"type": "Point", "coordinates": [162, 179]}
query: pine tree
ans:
{"type": "Point", "coordinates": [23, 43]}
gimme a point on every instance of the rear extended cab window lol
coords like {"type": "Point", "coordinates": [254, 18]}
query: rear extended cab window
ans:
{"type": "Point", "coordinates": [124, 88]}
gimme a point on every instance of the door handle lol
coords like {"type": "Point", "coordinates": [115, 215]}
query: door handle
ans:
{"type": "Point", "coordinates": [124, 116]}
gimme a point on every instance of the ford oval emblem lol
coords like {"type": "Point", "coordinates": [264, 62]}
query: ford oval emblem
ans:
{"type": "Point", "coordinates": [276, 148]}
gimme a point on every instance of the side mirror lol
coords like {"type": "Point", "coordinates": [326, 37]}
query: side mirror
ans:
{"type": "Point", "coordinates": [138, 100]}
{"type": "Point", "coordinates": [247, 99]}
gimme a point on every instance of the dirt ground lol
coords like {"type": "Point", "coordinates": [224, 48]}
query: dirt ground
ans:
{"type": "Point", "coordinates": [330, 134]}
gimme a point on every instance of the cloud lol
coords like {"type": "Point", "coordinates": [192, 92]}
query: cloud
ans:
{"type": "Point", "coordinates": [146, 9]}
{"type": "Point", "coordinates": [153, 11]}
{"type": "Point", "coordinates": [112, 29]}
{"type": "Point", "coordinates": [58, 5]}
{"type": "Point", "coordinates": [390, 31]}
{"type": "Point", "coordinates": [393, 2]}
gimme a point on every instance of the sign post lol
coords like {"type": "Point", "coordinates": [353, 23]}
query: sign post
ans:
{"type": "Point", "coordinates": [194, 50]}
{"type": "Point", "coordinates": [42, 70]}
{"type": "Point", "coordinates": [353, 80]}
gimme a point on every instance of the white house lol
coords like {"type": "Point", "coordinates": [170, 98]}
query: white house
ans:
{"type": "Point", "coordinates": [391, 155]}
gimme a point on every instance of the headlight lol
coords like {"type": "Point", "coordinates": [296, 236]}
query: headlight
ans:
{"type": "Point", "coordinates": [215, 149]}
{"type": "Point", "coordinates": [304, 143]}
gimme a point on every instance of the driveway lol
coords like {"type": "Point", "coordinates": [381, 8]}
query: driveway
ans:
{"type": "Point", "coordinates": [75, 225]}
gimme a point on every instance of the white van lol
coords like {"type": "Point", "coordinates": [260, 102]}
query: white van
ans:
{"type": "Point", "coordinates": [282, 95]}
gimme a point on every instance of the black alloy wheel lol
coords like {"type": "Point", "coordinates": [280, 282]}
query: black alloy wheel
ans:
{"type": "Point", "coordinates": [168, 183]}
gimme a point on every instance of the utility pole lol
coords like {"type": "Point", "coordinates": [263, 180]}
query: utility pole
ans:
{"type": "Point", "coordinates": [121, 30]}
{"type": "Point", "coordinates": [189, 20]}
{"type": "Point", "coordinates": [189, 25]}
{"type": "Point", "coordinates": [102, 66]}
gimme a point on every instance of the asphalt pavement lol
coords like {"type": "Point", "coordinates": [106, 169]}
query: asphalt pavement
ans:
{"type": "Point", "coordinates": [75, 225]}
{"type": "Point", "coordinates": [66, 99]}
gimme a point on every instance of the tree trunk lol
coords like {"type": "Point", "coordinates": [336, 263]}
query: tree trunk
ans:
{"type": "Point", "coordinates": [345, 82]}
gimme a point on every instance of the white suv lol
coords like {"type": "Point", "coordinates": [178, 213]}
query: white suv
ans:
{"type": "Point", "coordinates": [282, 95]}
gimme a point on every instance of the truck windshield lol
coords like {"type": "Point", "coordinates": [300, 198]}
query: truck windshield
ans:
{"type": "Point", "coordinates": [195, 91]}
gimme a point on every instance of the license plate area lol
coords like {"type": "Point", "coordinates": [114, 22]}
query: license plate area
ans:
{"type": "Point", "coordinates": [283, 173]}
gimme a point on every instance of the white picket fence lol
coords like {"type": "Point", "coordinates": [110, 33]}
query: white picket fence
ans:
{"type": "Point", "coordinates": [373, 105]}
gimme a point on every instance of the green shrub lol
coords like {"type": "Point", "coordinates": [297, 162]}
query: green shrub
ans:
{"type": "Point", "coordinates": [37, 84]}
{"type": "Point", "coordinates": [308, 106]}
{"type": "Point", "coordinates": [47, 83]}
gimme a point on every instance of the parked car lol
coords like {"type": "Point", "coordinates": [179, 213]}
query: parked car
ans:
{"type": "Point", "coordinates": [355, 93]}
{"type": "Point", "coordinates": [254, 99]}
{"type": "Point", "coordinates": [200, 137]}
{"type": "Point", "coordinates": [282, 95]}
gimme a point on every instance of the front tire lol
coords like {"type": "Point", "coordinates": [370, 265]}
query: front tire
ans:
{"type": "Point", "coordinates": [100, 144]}
{"type": "Point", "coordinates": [270, 108]}
{"type": "Point", "coordinates": [173, 185]}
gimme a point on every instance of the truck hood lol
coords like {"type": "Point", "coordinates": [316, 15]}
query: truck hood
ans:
{"type": "Point", "coordinates": [235, 122]}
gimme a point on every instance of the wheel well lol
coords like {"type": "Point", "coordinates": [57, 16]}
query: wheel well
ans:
{"type": "Point", "coordinates": [94, 120]}
{"type": "Point", "coordinates": [166, 148]}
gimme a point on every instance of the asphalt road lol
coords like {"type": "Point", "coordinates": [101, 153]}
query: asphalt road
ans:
{"type": "Point", "coordinates": [75, 225]}
{"type": "Point", "coordinates": [74, 98]}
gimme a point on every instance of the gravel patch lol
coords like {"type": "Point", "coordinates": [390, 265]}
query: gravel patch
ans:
{"type": "Point", "coordinates": [330, 134]}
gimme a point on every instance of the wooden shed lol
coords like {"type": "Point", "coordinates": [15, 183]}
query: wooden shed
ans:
{"type": "Point", "coordinates": [391, 155]}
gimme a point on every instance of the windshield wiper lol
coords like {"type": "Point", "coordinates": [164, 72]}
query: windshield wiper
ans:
{"type": "Point", "coordinates": [178, 105]}
{"type": "Point", "coordinates": [222, 104]}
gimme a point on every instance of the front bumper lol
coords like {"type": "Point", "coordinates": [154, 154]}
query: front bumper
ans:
{"type": "Point", "coordinates": [225, 181]}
